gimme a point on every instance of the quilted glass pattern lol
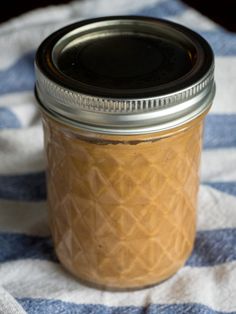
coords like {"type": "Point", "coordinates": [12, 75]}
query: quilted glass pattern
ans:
{"type": "Point", "coordinates": [122, 213]}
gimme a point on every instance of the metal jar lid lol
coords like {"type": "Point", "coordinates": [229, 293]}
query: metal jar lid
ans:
{"type": "Point", "coordinates": [125, 75]}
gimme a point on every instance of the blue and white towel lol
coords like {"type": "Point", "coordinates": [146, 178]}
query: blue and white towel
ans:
{"type": "Point", "coordinates": [31, 279]}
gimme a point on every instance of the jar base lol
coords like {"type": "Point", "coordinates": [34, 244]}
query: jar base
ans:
{"type": "Point", "coordinates": [104, 287]}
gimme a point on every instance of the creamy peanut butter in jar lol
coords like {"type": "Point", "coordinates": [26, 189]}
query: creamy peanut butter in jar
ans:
{"type": "Point", "coordinates": [123, 100]}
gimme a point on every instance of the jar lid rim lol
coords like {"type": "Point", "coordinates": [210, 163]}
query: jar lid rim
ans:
{"type": "Point", "coordinates": [128, 110]}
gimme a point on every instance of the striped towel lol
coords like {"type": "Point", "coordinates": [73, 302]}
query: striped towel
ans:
{"type": "Point", "coordinates": [31, 279]}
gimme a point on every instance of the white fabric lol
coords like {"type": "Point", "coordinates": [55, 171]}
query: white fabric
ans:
{"type": "Point", "coordinates": [205, 285]}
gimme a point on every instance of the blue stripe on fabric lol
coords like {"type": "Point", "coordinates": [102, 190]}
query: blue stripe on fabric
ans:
{"type": "Point", "coordinates": [38, 306]}
{"type": "Point", "coordinates": [222, 41]}
{"type": "Point", "coordinates": [19, 246]}
{"type": "Point", "coordinates": [29, 187]}
{"type": "Point", "coordinates": [8, 120]}
{"type": "Point", "coordinates": [32, 187]}
{"type": "Point", "coordinates": [212, 247]}
{"type": "Point", "coordinates": [228, 187]}
{"type": "Point", "coordinates": [19, 76]}
{"type": "Point", "coordinates": [220, 131]}
{"type": "Point", "coordinates": [163, 9]}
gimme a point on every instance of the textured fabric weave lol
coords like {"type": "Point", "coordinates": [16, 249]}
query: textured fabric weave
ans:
{"type": "Point", "coordinates": [31, 279]}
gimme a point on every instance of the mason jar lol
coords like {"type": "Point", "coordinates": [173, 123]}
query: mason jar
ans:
{"type": "Point", "coordinates": [123, 101]}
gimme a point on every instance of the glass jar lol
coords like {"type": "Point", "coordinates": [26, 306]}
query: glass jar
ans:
{"type": "Point", "coordinates": [123, 101]}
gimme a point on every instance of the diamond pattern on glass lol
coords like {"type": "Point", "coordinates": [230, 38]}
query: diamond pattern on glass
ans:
{"type": "Point", "coordinates": [122, 215]}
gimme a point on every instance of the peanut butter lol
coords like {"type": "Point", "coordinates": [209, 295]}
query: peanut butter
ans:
{"type": "Point", "coordinates": [123, 101]}
{"type": "Point", "coordinates": [122, 214]}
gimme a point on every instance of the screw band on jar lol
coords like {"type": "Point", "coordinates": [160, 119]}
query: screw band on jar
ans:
{"type": "Point", "coordinates": [104, 108]}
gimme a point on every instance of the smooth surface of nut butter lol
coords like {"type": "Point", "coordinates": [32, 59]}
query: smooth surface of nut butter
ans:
{"type": "Point", "coordinates": [122, 212]}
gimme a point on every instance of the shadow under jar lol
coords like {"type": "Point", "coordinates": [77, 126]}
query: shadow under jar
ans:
{"type": "Point", "coordinates": [123, 101]}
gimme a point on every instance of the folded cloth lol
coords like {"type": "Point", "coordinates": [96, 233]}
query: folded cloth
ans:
{"type": "Point", "coordinates": [32, 281]}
